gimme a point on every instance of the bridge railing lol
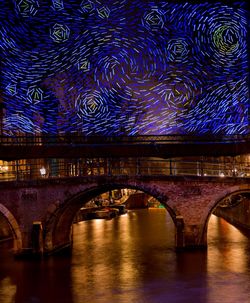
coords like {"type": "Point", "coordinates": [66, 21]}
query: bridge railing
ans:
{"type": "Point", "coordinates": [79, 139]}
{"type": "Point", "coordinates": [62, 168]}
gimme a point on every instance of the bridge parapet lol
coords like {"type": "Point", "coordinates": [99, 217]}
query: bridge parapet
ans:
{"type": "Point", "coordinates": [79, 139]}
{"type": "Point", "coordinates": [73, 146]}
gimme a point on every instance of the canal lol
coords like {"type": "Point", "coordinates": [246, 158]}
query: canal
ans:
{"type": "Point", "coordinates": [132, 258]}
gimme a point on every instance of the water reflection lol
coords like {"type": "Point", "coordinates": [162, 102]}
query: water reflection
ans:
{"type": "Point", "coordinates": [126, 256]}
{"type": "Point", "coordinates": [227, 247]}
{"type": "Point", "coordinates": [132, 259]}
{"type": "Point", "coordinates": [7, 290]}
{"type": "Point", "coordinates": [228, 263]}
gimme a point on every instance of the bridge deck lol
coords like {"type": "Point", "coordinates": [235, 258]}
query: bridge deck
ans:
{"type": "Point", "coordinates": [25, 147]}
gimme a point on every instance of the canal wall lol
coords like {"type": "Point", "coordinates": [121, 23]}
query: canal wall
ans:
{"type": "Point", "coordinates": [5, 231]}
{"type": "Point", "coordinates": [238, 215]}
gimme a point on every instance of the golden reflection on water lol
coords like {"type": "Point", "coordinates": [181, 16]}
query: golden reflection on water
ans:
{"type": "Point", "coordinates": [227, 263]}
{"type": "Point", "coordinates": [129, 259]}
{"type": "Point", "coordinates": [98, 265]}
{"type": "Point", "coordinates": [132, 258]}
{"type": "Point", "coordinates": [7, 290]}
{"type": "Point", "coordinates": [226, 247]}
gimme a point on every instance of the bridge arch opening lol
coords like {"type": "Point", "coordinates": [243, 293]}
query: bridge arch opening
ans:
{"type": "Point", "coordinates": [234, 208]}
{"type": "Point", "coordinates": [10, 228]}
{"type": "Point", "coordinates": [58, 228]}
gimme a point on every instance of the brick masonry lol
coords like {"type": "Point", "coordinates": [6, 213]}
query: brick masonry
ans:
{"type": "Point", "coordinates": [53, 203]}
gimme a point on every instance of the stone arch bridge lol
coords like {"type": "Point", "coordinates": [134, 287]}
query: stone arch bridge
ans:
{"type": "Point", "coordinates": [40, 212]}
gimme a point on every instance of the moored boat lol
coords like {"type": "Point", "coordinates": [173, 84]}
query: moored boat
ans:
{"type": "Point", "coordinates": [105, 213]}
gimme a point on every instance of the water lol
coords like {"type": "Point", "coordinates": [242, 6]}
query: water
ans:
{"type": "Point", "coordinates": [132, 259]}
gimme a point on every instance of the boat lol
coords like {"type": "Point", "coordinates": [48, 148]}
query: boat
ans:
{"type": "Point", "coordinates": [121, 208]}
{"type": "Point", "coordinates": [105, 213]}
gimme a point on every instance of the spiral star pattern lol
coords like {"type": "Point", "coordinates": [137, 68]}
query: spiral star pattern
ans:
{"type": "Point", "coordinates": [124, 67]}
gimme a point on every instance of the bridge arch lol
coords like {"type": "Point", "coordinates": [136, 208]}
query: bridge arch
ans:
{"type": "Point", "coordinates": [14, 227]}
{"type": "Point", "coordinates": [233, 192]}
{"type": "Point", "coordinates": [60, 219]}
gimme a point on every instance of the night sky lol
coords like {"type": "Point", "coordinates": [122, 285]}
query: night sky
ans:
{"type": "Point", "coordinates": [123, 67]}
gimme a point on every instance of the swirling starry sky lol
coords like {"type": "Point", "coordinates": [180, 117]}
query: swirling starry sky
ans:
{"type": "Point", "coordinates": [123, 67]}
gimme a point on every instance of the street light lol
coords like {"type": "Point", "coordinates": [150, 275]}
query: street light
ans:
{"type": "Point", "coordinates": [43, 171]}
